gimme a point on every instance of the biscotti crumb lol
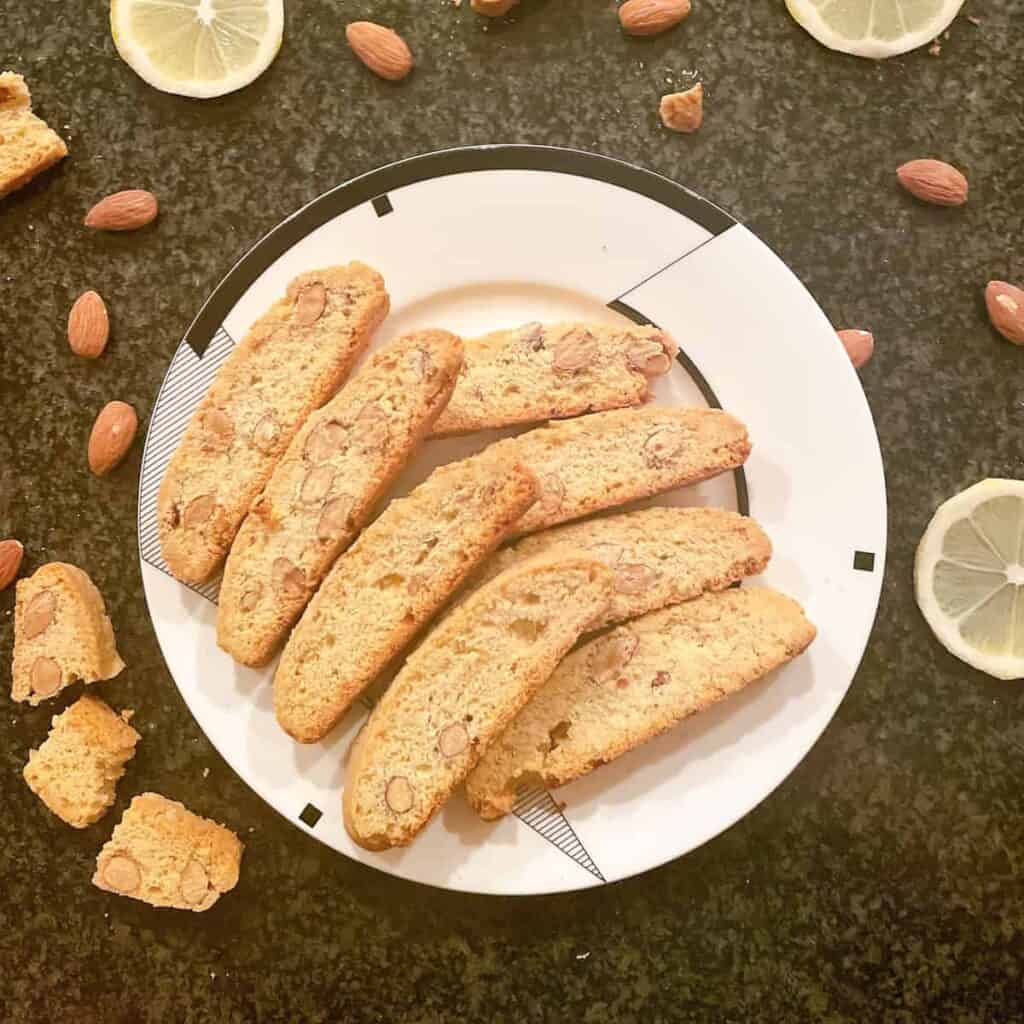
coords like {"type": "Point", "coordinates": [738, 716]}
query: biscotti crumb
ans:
{"type": "Point", "coordinates": [163, 854]}
{"type": "Point", "coordinates": [76, 770]}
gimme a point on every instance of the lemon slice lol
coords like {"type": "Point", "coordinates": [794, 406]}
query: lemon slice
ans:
{"type": "Point", "coordinates": [969, 576]}
{"type": "Point", "coordinates": [199, 48]}
{"type": "Point", "coordinates": [874, 28]}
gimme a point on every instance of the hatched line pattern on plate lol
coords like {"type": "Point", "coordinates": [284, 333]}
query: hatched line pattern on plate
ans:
{"type": "Point", "coordinates": [538, 809]}
{"type": "Point", "coordinates": [188, 379]}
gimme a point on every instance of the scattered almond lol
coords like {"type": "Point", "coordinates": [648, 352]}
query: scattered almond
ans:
{"type": "Point", "coordinates": [683, 111]}
{"type": "Point", "coordinates": [649, 17]}
{"type": "Point", "coordinates": [123, 211]}
{"type": "Point", "coordinates": [933, 181]}
{"type": "Point", "coordinates": [88, 326]}
{"type": "Point", "coordinates": [111, 437]}
{"type": "Point", "coordinates": [1005, 304]}
{"type": "Point", "coordinates": [381, 49]}
{"type": "Point", "coordinates": [11, 552]}
{"type": "Point", "coordinates": [859, 345]}
{"type": "Point", "coordinates": [492, 8]}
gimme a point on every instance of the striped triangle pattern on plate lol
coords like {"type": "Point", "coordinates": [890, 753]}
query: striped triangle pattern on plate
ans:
{"type": "Point", "coordinates": [188, 379]}
{"type": "Point", "coordinates": [538, 809]}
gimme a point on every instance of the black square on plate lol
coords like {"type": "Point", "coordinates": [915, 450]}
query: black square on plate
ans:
{"type": "Point", "coordinates": [864, 561]}
{"type": "Point", "coordinates": [310, 815]}
{"type": "Point", "coordinates": [382, 205]}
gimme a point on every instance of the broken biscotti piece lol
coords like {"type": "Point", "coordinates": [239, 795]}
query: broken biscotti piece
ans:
{"type": "Point", "coordinates": [658, 556]}
{"type": "Point", "coordinates": [28, 146]}
{"type": "Point", "coordinates": [608, 458]}
{"type": "Point", "coordinates": [325, 488]}
{"type": "Point", "coordinates": [163, 854]}
{"type": "Point", "coordinates": [459, 690]}
{"type": "Point", "coordinates": [62, 634]}
{"type": "Point", "coordinates": [294, 358]}
{"type": "Point", "coordinates": [76, 770]}
{"type": "Point", "coordinates": [539, 372]}
{"type": "Point", "coordinates": [632, 684]}
{"type": "Point", "coordinates": [392, 581]}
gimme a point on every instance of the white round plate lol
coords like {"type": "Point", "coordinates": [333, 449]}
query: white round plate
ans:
{"type": "Point", "coordinates": [482, 238]}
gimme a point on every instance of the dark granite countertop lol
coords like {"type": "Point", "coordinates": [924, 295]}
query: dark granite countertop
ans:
{"type": "Point", "coordinates": [885, 879]}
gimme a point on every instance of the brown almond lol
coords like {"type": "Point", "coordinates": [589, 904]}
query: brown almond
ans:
{"type": "Point", "coordinates": [123, 211]}
{"type": "Point", "coordinates": [575, 352]}
{"type": "Point", "coordinates": [310, 305]}
{"type": "Point", "coordinates": [11, 554]}
{"type": "Point", "coordinates": [933, 181]}
{"type": "Point", "coordinates": [649, 17]}
{"type": "Point", "coordinates": [492, 8]}
{"type": "Point", "coordinates": [88, 326]}
{"type": "Point", "coordinates": [1005, 304]}
{"type": "Point", "coordinates": [381, 49]}
{"type": "Point", "coordinates": [683, 111]}
{"type": "Point", "coordinates": [45, 677]}
{"type": "Point", "coordinates": [111, 437]}
{"type": "Point", "coordinates": [859, 345]}
{"type": "Point", "coordinates": [39, 614]}
{"type": "Point", "coordinates": [198, 510]}
{"type": "Point", "coordinates": [649, 357]}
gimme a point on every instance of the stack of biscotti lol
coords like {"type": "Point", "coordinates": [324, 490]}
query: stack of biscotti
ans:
{"type": "Point", "coordinates": [293, 360]}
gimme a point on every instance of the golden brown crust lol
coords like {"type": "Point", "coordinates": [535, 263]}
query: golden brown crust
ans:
{"type": "Point", "coordinates": [293, 360]}
{"type": "Point", "coordinates": [325, 488]}
{"type": "Point", "coordinates": [625, 687]}
{"type": "Point", "coordinates": [392, 581]}
{"type": "Point", "coordinates": [28, 146]}
{"type": "Point", "coordinates": [546, 371]}
{"type": "Point", "coordinates": [461, 688]}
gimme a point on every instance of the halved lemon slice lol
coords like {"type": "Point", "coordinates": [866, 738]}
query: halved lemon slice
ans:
{"type": "Point", "coordinates": [199, 48]}
{"type": "Point", "coordinates": [969, 576]}
{"type": "Point", "coordinates": [874, 28]}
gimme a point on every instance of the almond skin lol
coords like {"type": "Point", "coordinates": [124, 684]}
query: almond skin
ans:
{"type": "Point", "coordinates": [123, 211]}
{"type": "Point", "coordinates": [683, 111]}
{"type": "Point", "coordinates": [88, 326]}
{"type": "Point", "coordinates": [859, 345]}
{"type": "Point", "coordinates": [1005, 303]}
{"type": "Point", "coordinates": [382, 50]}
{"type": "Point", "coordinates": [933, 181]}
{"type": "Point", "coordinates": [650, 17]}
{"type": "Point", "coordinates": [111, 437]}
{"type": "Point", "coordinates": [11, 552]}
{"type": "Point", "coordinates": [492, 8]}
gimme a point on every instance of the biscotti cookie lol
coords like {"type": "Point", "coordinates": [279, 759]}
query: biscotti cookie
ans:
{"type": "Point", "coordinates": [76, 770]}
{"type": "Point", "coordinates": [396, 576]}
{"type": "Point", "coordinates": [460, 689]}
{"type": "Point", "coordinates": [658, 556]}
{"type": "Point", "coordinates": [28, 146]}
{"type": "Point", "coordinates": [324, 489]}
{"type": "Point", "coordinates": [293, 359]}
{"type": "Point", "coordinates": [62, 634]}
{"type": "Point", "coordinates": [163, 854]}
{"type": "Point", "coordinates": [628, 686]}
{"type": "Point", "coordinates": [547, 371]}
{"type": "Point", "coordinates": [608, 458]}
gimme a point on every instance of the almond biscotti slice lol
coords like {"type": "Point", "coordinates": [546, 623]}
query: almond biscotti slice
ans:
{"type": "Point", "coordinates": [460, 689]}
{"type": "Point", "coordinates": [76, 770]}
{"type": "Point", "coordinates": [632, 684]}
{"type": "Point", "coordinates": [62, 634]}
{"type": "Point", "coordinates": [163, 854]}
{"type": "Point", "coordinates": [546, 371]}
{"type": "Point", "coordinates": [293, 360]}
{"type": "Point", "coordinates": [658, 556]}
{"type": "Point", "coordinates": [324, 489]}
{"type": "Point", "coordinates": [609, 458]}
{"type": "Point", "coordinates": [392, 581]}
{"type": "Point", "coordinates": [28, 146]}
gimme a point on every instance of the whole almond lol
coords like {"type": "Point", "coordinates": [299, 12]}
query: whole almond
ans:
{"type": "Point", "coordinates": [1005, 304]}
{"type": "Point", "coordinates": [88, 326]}
{"type": "Point", "coordinates": [859, 345]}
{"type": "Point", "coordinates": [683, 111]}
{"type": "Point", "coordinates": [649, 17]}
{"type": "Point", "coordinates": [492, 8]}
{"type": "Point", "coordinates": [382, 50]}
{"type": "Point", "coordinates": [11, 552]}
{"type": "Point", "coordinates": [933, 181]}
{"type": "Point", "coordinates": [123, 211]}
{"type": "Point", "coordinates": [111, 437]}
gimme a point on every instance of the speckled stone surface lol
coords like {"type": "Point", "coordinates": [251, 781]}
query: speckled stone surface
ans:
{"type": "Point", "coordinates": [884, 881]}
